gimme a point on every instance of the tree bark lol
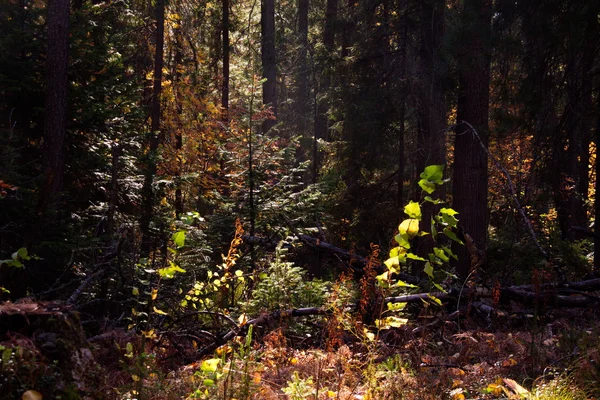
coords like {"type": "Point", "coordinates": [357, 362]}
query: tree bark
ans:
{"type": "Point", "coordinates": [226, 48]}
{"type": "Point", "coordinates": [321, 104]}
{"type": "Point", "coordinates": [269, 62]}
{"type": "Point", "coordinates": [55, 124]}
{"type": "Point", "coordinates": [431, 140]}
{"type": "Point", "coordinates": [302, 95]}
{"type": "Point", "coordinates": [470, 185]}
{"type": "Point", "coordinates": [155, 135]}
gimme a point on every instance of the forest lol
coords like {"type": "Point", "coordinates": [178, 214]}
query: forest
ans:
{"type": "Point", "coordinates": [310, 199]}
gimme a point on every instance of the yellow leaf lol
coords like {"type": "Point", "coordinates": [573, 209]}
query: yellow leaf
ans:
{"type": "Point", "coordinates": [243, 319]}
{"type": "Point", "coordinates": [409, 227]}
{"type": "Point", "coordinates": [159, 312]}
{"type": "Point", "coordinates": [331, 394]}
{"type": "Point", "coordinates": [32, 395]}
{"type": "Point", "coordinates": [294, 361]}
{"type": "Point", "coordinates": [135, 378]}
{"type": "Point", "coordinates": [154, 293]}
{"type": "Point", "coordinates": [256, 378]}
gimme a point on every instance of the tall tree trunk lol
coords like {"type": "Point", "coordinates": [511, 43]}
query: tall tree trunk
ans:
{"type": "Point", "coordinates": [470, 188]}
{"type": "Point", "coordinates": [597, 186]}
{"type": "Point", "coordinates": [226, 48]}
{"type": "Point", "coordinates": [155, 135]}
{"type": "Point", "coordinates": [431, 140]}
{"type": "Point", "coordinates": [55, 124]}
{"type": "Point", "coordinates": [269, 62]}
{"type": "Point", "coordinates": [302, 96]}
{"type": "Point", "coordinates": [402, 118]}
{"type": "Point", "coordinates": [321, 105]}
{"type": "Point", "coordinates": [178, 65]}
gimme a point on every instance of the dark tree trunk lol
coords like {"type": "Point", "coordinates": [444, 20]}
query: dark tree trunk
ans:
{"type": "Point", "coordinates": [470, 188]}
{"type": "Point", "coordinates": [55, 124]}
{"type": "Point", "coordinates": [302, 96]}
{"type": "Point", "coordinates": [431, 140]}
{"type": "Point", "coordinates": [155, 135]}
{"type": "Point", "coordinates": [321, 105]}
{"type": "Point", "coordinates": [597, 187]}
{"type": "Point", "coordinates": [178, 65]}
{"type": "Point", "coordinates": [432, 102]}
{"type": "Point", "coordinates": [225, 87]}
{"type": "Point", "coordinates": [269, 63]}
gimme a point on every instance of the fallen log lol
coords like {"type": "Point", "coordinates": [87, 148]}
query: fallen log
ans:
{"type": "Point", "coordinates": [515, 293]}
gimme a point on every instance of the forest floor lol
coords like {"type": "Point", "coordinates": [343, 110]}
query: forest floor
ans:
{"type": "Point", "coordinates": [516, 357]}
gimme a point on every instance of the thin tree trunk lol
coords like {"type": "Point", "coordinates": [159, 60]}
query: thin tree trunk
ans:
{"type": "Point", "coordinates": [302, 96]}
{"type": "Point", "coordinates": [55, 124]}
{"type": "Point", "coordinates": [322, 106]}
{"type": "Point", "coordinates": [226, 48]}
{"type": "Point", "coordinates": [470, 183]}
{"type": "Point", "coordinates": [178, 65]}
{"type": "Point", "coordinates": [269, 63]}
{"type": "Point", "coordinates": [155, 135]}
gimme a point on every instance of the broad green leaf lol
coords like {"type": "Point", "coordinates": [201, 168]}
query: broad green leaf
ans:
{"type": "Point", "coordinates": [22, 253]}
{"type": "Point", "coordinates": [179, 238]}
{"type": "Point", "coordinates": [409, 227]}
{"type": "Point", "coordinates": [396, 306]}
{"type": "Point", "coordinates": [448, 232]}
{"type": "Point", "coordinates": [402, 241]}
{"type": "Point", "coordinates": [439, 253]}
{"type": "Point", "coordinates": [439, 287]}
{"type": "Point", "coordinates": [135, 291]}
{"type": "Point", "coordinates": [434, 201]}
{"type": "Point", "coordinates": [397, 251]}
{"type": "Point", "coordinates": [209, 382]}
{"type": "Point", "coordinates": [415, 257]}
{"type": "Point", "coordinates": [449, 218]}
{"type": "Point", "coordinates": [428, 269]}
{"type": "Point", "coordinates": [392, 262]}
{"type": "Point", "coordinates": [239, 273]}
{"type": "Point", "coordinates": [427, 186]}
{"type": "Point", "coordinates": [404, 284]}
{"type": "Point", "coordinates": [433, 173]}
{"type": "Point", "coordinates": [210, 365]}
{"type": "Point", "coordinates": [413, 210]}
{"type": "Point", "coordinates": [449, 211]}
{"type": "Point", "coordinates": [448, 251]}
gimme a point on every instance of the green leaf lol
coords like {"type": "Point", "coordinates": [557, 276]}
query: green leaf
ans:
{"type": "Point", "coordinates": [179, 238]}
{"type": "Point", "coordinates": [169, 272]}
{"type": "Point", "coordinates": [413, 210]}
{"type": "Point", "coordinates": [435, 299]}
{"type": "Point", "coordinates": [402, 241]}
{"type": "Point", "coordinates": [439, 253]}
{"type": "Point", "coordinates": [434, 201]}
{"type": "Point", "coordinates": [209, 382]}
{"type": "Point", "coordinates": [22, 253]}
{"type": "Point", "coordinates": [210, 365]}
{"type": "Point", "coordinates": [415, 257]}
{"type": "Point", "coordinates": [391, 322]}
{"type": "Point", "coordinates": [433, 173]}
{"type": "Point", "coordinates": [404, 284]}
{"type": "Point", "coordinates": [448, 217]}
{"type": "Point", "coordinates": [396, 306]}
{"type": "Point", "coordinates": [392, 262]}
{"type": "Point", "coordinates": [427, 186]}
{"type": "Point", "coordinates": [448, 232]}
{"type": "Point", "coordinates": [428, 269]}
{"type": "Point", "coordinates": [450, 253]}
